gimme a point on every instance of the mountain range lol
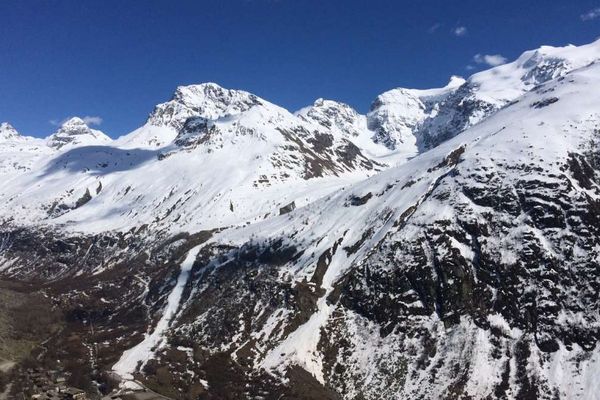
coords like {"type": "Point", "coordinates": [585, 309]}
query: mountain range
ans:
{"type": "Point", "coordinates": [444, 245]}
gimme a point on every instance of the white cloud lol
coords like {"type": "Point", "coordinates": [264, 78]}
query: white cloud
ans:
{"type": "Point", "coordinates": [460, 31]}
{"type": "Point", "coordinates": [92, 120]}
{"type": "Point", "coordinates": [590, 15]}
{"type": "Point", "coordinates": [88, 119]}
{"type": "Point", "coordinates": [433, 28]}
{"type": "Point", "coordinates": [492, 60]}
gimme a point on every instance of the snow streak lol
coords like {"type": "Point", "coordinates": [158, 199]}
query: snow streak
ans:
{"type": "Point", "coordinates": [144, 351]}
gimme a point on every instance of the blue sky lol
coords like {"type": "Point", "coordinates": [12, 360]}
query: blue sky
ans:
{"type": "Point", "coordinates": [114, 60]}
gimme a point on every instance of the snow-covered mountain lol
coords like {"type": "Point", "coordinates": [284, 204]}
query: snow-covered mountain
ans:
{"type": "Point", "coordinates": [8, 132]}
{"type": "Point", "coordinates": [18, 153]}
{"type": "Point", "coordinates": [208, 100]}
{"type": "Point", "coordinates": [470, 270]}
{"type": "Point", "coordinates": [179, 168]}
{"type": "Point", "coordinates": [396, 114]}
{"type": "Point", "coordinates": [445, 245]}
{"type": "Point", "coordinates": [488, 91]}
{"type": "Point", "coordinates": [75, 132]}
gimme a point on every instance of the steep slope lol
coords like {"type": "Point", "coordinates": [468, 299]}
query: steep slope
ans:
{"type": "Point", "coordinates": [471, 270]}
{"type": "Point", "coordinates": [396, 114]}
{"type": "Point", "coordinates": [8, 132]}
{"type": "Point", "coordinates": [387, 132]}
{"type": "Point", "coordinates": [488, 91]}
{"type": "Point", "coordinates": [280, 162]}
{"type": "Point", "coordinates": [230, 249]}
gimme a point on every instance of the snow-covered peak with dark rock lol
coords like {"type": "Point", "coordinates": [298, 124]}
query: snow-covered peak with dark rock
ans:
{"type": "Point", "coordinates": [395, 114]}
{"type": "Point", "coordinates": [215, 143]}
{"type": "Point", "coordinates": [444, 246]}
{"type": "Point", "coordinates": [206, 100]}
{"type": "Point", "coordinates": [504, 83]}
{"type": "Point", "coordinates": [18, 154]}
{"type": "Point", "coordinates": [486, 92]}
{"type": "Point", "coordinates": [345, 123]}
{"type": "Point", "coordinates": [334, 115]}
{"type": "Point", "coordinates": [75, 132]}
{"type": "Point", "coordinates": [8, 132]}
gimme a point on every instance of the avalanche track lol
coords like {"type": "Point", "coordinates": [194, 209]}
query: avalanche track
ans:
{"type": "Point", "coordinates": [131, 359]}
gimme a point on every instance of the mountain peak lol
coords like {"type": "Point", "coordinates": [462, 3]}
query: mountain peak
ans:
{"type": "Point", "coordinates": [206, 87]}
{"type": "Point", "coordinates": [487, 91]}
{"type": "Point", "coordinates": [327, 104]}
{"type": "Point", "coordinates": [395, 114]}
{"type": "Point", "coordinates": [506, 82]}
{"type": "Point", "coordinates": [206, 100]}
{"type": "Point", "coordinates": [74, 122]}
{"type": "Point", "coordinates": [336, 116]}
{"type": "Point", "coordinates": [455, 82]}
{"type": "Point", "coordinates": [8, 132]}
{"type": "Point", "coordinates": [75, 131]}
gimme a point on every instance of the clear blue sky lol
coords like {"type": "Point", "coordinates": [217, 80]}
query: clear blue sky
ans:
{"type": "Point", "coordinates": [117, 59]}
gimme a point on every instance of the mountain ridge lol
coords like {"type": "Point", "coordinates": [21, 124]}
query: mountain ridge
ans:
{"type": "Point", "coordinates": [445, 245]}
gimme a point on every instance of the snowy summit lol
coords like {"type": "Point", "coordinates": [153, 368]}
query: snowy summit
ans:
{"type": "Point", "coordinates": [444, 245]}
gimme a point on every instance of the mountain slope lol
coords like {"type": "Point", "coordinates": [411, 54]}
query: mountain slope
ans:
{"type": "Point", "coordinates": [455, 261]}
{"type": "Point", "coordinates": [486, 92]}
{"type": "Point", "coordinates": [470, 270]}
{"type": "Point", "coordinates": [19, 153]}
{"type": "Point", "coordinates": [190, 177]}
{"type": "Point", "coordinates": [396, 114]}
{"type": "Point", "coordinates": [231, 249]}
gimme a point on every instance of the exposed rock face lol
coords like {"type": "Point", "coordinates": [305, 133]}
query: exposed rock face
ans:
{"type": "Point", "coordinates": [459, 111]}
{"type": "Point", "coordinates": [287, 208]}
{"type": "Point", "coordinates": [468, 271]}
{"type": "Point", "coordinates": [505, 263]}
{"type": "Point", "coordinates": [486, 92]}
{"type": "Point", "coordinates": [395, 115]}
{"type": "Point", "coordinates": [335, 116]}
{"type": "Point", "coordinates": [7, 132]}
{"type": "Point", "coordinates": [194, 131]}
{"type": "Point", "coordinates": [207, 100]}
{"type": "Point", "coordinates": [75, 132]}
